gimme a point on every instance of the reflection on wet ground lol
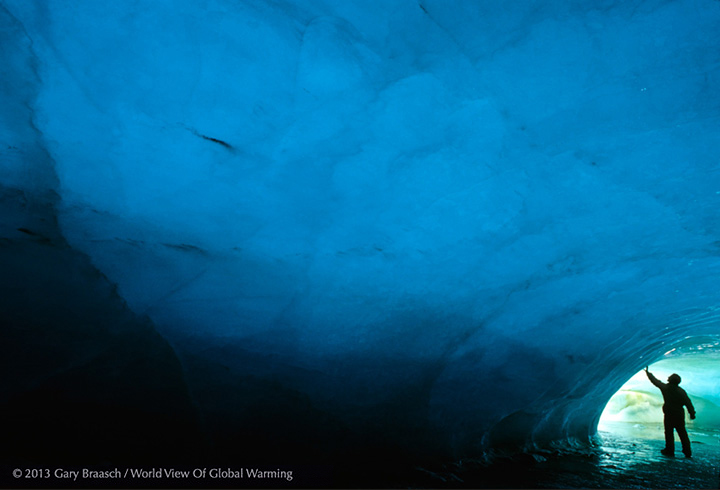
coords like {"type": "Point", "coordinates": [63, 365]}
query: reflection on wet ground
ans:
{"type": "Point", "coordinates": [627, 457]}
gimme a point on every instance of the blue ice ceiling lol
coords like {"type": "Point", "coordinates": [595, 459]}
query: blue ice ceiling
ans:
{"type": "Point", "coordinates": [457, 224]}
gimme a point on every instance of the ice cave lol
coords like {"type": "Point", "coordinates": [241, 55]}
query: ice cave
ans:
{"type": "Point", "coordinates": [345, 238]}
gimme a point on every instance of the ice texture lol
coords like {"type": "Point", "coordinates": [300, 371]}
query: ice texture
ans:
{"type": "Point", "coordinates": [436, 226]}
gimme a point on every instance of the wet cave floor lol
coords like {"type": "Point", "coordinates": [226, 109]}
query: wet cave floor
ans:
{"type": "Point", "coordinates": [628, 456]}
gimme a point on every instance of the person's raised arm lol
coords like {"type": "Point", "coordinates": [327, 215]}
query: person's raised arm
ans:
{"type": "Point", "coordinates": [653, 379]}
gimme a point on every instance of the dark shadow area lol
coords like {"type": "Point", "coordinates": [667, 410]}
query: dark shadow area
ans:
{"type": "Point", "coordinates": [611, 461]}
{"type": "Point", "coordinates": [89, 385]}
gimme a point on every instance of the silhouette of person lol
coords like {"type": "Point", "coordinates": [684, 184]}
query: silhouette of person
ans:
{"type": "Point", "coordinates": [675, 399]}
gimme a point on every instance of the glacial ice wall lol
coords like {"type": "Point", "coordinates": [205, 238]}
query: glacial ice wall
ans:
{"type": "Point", "coordinates": [450, 225]}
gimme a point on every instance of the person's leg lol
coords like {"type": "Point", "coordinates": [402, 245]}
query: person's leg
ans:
{"type": "Point", "coordinates": [669, 437]}
{"type": "Point", "coordinates": [684, 439]}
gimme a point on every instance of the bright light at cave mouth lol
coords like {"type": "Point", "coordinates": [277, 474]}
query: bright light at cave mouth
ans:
{"type": "Point", "coordinates": [635, 410]}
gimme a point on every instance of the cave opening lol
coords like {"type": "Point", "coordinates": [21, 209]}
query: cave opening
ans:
{"type": "Point", "coordinates": [635, 410]}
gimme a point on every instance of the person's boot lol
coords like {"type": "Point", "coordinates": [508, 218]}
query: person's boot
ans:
{"type": "Point", "coordinates": [668, 452]}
